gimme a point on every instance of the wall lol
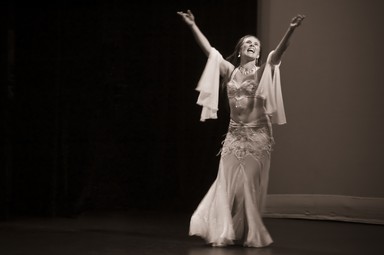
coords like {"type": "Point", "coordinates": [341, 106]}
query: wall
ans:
{"type": "Point", "coordinates": [330, 151]}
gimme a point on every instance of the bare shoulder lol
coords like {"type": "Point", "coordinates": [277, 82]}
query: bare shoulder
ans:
{"type": "Point", "coordinates": [226, 68]}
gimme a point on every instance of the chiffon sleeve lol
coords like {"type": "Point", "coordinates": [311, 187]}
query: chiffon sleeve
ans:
{"type": "Point", "coordinates": [208, 86]}
{"type": "Point", "coordinates": [270, 89]}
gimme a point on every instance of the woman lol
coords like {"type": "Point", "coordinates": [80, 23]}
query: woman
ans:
{"type": "Point", "coordinates": [231, 210]}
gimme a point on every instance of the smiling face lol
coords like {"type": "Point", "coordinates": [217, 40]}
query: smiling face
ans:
{"type": "Point", "coordinates": [250, 48]}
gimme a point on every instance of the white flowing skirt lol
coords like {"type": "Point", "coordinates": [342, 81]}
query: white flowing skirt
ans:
{"type": "Point", "coordinates": [231, 211]}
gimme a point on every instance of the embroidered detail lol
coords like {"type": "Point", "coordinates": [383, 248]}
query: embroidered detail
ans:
{"type": "Point", "coordinates": [246, 89]}
{"type": "Point", "coordinates": [244, 140]}
{"type": "Point", "coordinates": [240, 90]}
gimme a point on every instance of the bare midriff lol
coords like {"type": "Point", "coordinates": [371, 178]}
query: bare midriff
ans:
{"type": "Point", "coordinates": [247, 109]}
{"type": "Point", "coordinates": [245, 105]}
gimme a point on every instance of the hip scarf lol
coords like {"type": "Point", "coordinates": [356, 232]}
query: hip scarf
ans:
{"type": "Point", "coordinates": [248, 139]}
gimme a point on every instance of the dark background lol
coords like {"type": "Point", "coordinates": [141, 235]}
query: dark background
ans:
{"type": "Point", "coordinates": [99, 108]}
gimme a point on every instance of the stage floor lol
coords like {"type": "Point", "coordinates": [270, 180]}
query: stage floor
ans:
{"type": "Point", "coordinates": [147, 233]}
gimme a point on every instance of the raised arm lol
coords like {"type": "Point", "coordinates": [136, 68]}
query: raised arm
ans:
{"type": "Point", "coordinates": [283, 45]}
{"type": "Point", "coordinates": [200, 38]}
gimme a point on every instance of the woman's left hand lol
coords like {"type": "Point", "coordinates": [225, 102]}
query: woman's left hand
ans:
{"type": "Point", "coordinates": [296, 21]}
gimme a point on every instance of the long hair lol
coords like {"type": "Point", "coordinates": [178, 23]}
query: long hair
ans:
{"type": "Point", "coordinates": [234, 60]}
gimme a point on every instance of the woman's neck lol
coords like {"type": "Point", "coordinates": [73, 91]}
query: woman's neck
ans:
{"type": "Point", "coordinates": [248, 68]}
{"type": "Point", "coordinates": [248, 64]}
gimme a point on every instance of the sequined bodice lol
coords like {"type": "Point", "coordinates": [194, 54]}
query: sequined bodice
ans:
{"type": "Point", "coordinates": [237, 90]}
{"type": "Point", "coordinates": [245, 89]}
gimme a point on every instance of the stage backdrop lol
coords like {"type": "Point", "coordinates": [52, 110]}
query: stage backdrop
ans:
{"type": "Point", "coordinates": [100, 106]}
{"type": "Point", "coordinates": [101, 111]}
{"type": "Point", "coordinates": [328, 161]}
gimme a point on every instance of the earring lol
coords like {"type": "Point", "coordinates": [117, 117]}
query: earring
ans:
{"type": "Point", "coordinates": [238, 55]}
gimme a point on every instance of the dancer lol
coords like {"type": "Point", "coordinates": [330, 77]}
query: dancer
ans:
{"type": "Point", "coordinates": [231, 211]}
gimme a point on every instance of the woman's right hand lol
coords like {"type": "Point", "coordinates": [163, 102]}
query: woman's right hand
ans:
{"type": "Point", "coordinates": [200, 38]}
{"type": "Point", "coordinates": [187, 17]}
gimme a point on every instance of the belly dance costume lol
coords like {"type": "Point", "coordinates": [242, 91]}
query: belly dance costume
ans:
{"type": "Point", "coordinates": [231, 210]}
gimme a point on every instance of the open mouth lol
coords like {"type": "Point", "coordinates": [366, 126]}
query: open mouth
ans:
{"type": "Point", "coordinates": [251, 50]}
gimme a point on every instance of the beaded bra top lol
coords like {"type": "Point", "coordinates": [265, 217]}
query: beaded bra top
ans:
{"type": "Point", "coordinates": [237, 90]}
{"type": "Point", "coordinates": [246, 139]}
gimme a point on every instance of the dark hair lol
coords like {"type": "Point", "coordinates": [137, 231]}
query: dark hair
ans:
{"type": "Point", "coordinates": [233, 58]}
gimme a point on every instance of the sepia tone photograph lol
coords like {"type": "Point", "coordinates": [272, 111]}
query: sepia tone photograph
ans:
{"type": "Point", "coordinates": [192, 127]}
